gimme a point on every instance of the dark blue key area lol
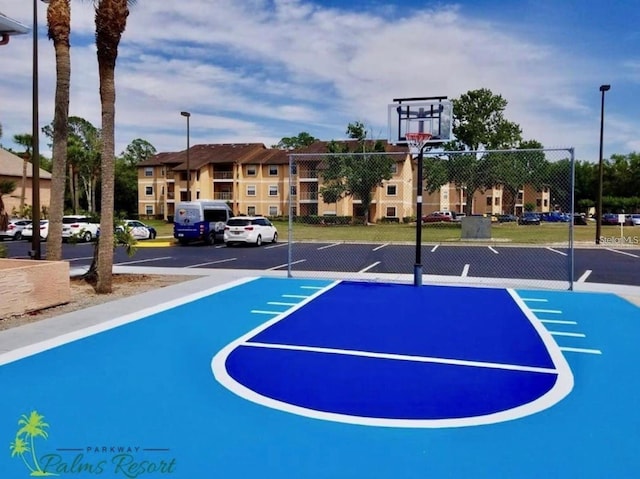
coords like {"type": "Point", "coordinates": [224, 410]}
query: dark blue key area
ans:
{"type": "Point", "coordinates": [455, 323]}
{"type": "Point", "coordinates": [383, 388]}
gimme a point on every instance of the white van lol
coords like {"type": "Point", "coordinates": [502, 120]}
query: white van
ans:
{"type": "Point", "coordinates": [200, 220]}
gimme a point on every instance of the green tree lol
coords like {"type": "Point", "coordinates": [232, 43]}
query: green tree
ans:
{"type": "Point", "coordinates": [346, 174]}
{"type": "Point", "coordinates": [295, 142]}
{"type": "Point", "coordinates": [126, 175]}
{"type": "Point", "coordinates": [478, 124]}
{"type": "Point", "coordinates": [136, 151]}
{"type": "Point", "coordinates": [59, 31]}
{"type": "Point", "coordinates": [111, 21]}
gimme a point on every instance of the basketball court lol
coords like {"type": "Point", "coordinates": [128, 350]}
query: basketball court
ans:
{"type": "Point", "coordinates": [289, 378]}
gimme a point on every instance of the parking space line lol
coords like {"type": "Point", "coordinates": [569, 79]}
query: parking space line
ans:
{"type": "Point", "coordinates": [145, 260]}
{"type": "Point", "coordinates": [369, 267]}
{"type": "Point", "coordinates": [556, 251]}
{"type": "Point", "coordinates": [622, 252]}
{"type": "Point", "coordinates": [571, 335]}
{"type": "Point", "coordinates": [465, 271]}
{"type": "Point", "coordinates": [211, 262]}
{"type": "Point", "coordinates": [380, 247]}
{"type": "Point", "coordinates": [435, 248]}
{"type": "Point", "coordinates": [581, 350]}
{"type": "Point", "coordinates": [492, 249]}
{"type": "Point", "coordinates": [328, 246]}
{"type": "Point", "coordinates": [584, 276]}
{"type": "Point", "coordinates": [277, 245]}
{"type": "Point", "coordinates": [285, 264]}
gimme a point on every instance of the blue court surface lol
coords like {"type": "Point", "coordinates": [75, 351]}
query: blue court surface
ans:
{"type": "Point", "coordinates": [295, 378]}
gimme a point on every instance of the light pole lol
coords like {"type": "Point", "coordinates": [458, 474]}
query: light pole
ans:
{"type": "Point", "coordinates": [35, 252]}
{"type": "Point", "coordinates": [603, 88]}
{"type": "Point", "coordinates": [187, 115]}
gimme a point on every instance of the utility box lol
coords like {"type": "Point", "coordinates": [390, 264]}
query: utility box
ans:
{"type": "Point", "coordinates": [476, 227]}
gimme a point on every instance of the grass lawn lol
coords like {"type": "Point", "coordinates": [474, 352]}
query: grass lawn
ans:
{"type": "Point", "coordinates": [546, 233]}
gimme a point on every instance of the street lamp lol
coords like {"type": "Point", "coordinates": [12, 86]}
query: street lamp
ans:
{"type": "Point", "coordinates": [603, 88]}
{"type": "Point", "coordinates": [35, 252]}
{"type": "Point", "coordinates": [187, 115]}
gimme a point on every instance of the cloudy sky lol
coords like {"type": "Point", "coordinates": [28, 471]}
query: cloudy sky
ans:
{"type": "Point", "coordinates": [260, 70]}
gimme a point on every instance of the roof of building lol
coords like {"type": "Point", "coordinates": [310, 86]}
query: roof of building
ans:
{"type": "Point", "coordinates": [8, 26]}
{"type": "Point", "coordinates": [11, 165]}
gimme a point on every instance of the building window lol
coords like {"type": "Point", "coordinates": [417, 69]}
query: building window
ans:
{"type": "Point", "coordinates": [391, 212]}
{"type": "Point", "coordinates": [294, 190]}
{"type": "Point", "coordinates": [197, 195]}
{"type": "Point", "coordinates": [273, 211]}
{"type": "Point", "coordinates": [273, 170]}
{"type": "Point", "coordinates": [294, 169]}
{"type": "Point", "coordinates": [546, 202]}
{"type": "Point", "coordinates": [148, 171]}
{"type": "Point", "coordinates": [273, 190]}
{"type": "Point", "coordinates": [538, 202]}
{"type": "Point", "coordinates": [392, 190]}
{"type": "Point", "coordinates": [520, 196]}
{"type": "Point", "coordinates": [251, 170]}
{"type": "Point", "coordinates": [148, 190]}
{"type": "Point", "coordinates": [394, 168]}
{"type": "Point", "coordinates": [162, 172]}
{"type": "Point", "coordinates": [489, 200]}
{"type": "Point", "coordinates": [251, 190]}
{"type": "Point", "coordinates": [496, 201]}
{"type": "Point", "coordinates": [251, 210]}
{"type": "Point", "coordinates": [148, 210]}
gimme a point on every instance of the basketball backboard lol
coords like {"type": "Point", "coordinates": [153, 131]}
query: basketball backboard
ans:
{"type": "Point", "coordinates": [431, 115]}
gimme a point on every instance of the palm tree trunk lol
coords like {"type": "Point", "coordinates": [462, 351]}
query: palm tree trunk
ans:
{"type": "Point", "coordinates": [59, 21]}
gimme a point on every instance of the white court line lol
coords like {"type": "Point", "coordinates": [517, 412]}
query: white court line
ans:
{"type": "Point", "coordinates": [211, 262]}
{"type": "Point", "coordinates": [536, 300]}
{"type": "Point", "coordinates": [557, 321]}
{"type": "Point", "coordinates": [584, 276]}
{"type": "Point", "coordinates": [465, 271]}
{"type": "Point", "coordinates": [556, 251]}
{"type": "Point", "coordinates": [259, 311]}
{"type": "Point", "coordinates": [622, 252]}
{"type": "Point", "coordinates": [300, 296]}
{"type": "Point", "coordinates": [285, 264]}
{"type": "Point", "coordinates": [369, 267]}
{"type": "Point", "coordinates": [550, 311]}
{"type": "Point", "coordinates": [317, 288]}
{"type": "Point", "coordinates": [380, 247]}
{"type": "Point", "coordinates": [145, 260]}
{"type": "Point", "coordinates": [329, 246]}
{"type": "Point", "coordinates": [570, 335]}
{"type": "Point", "coordinates": [403, 357]}
{"type": "Point", "coordinates": [492, 249]}
{"type": "Point", "coordinates": [434, 248]}
{"type": "Point", "coordinates": [280, 303]}
{"type": "Point", "coordinates": [581, 350]}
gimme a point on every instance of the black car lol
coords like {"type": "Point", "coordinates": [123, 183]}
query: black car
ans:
{"type": "Point", "coordinates": [507, 218]}
{"type": "Point", "coordinates": [529, 219]}
{"type": "Point", "coordinates": [579, 219]}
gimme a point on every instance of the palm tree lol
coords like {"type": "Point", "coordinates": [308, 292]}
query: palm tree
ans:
{"type": "Point", "coordinates": [33, 426]}
{"type": "Point", "coordinates": [59, 24]}
{"type": "Point", "coordinates": [111, 21]}
{"type": "Point", "coordinates": [19, 447]}
{"type": "Point", "coordinates": [6, 187]}
{"type": "Point", "coordinates": [25, 140]}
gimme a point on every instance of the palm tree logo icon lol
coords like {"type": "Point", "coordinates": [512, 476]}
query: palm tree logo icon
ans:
{"type": "Point", "coordinates": [31, 427]}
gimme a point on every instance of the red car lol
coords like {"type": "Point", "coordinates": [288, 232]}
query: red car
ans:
{"type": "Point", "coordinates": [436, 217]}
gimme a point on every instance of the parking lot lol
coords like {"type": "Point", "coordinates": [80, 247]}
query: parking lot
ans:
{"type": "Point", "coordinates": [620, 266]}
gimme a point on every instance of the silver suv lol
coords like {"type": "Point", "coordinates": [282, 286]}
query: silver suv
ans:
{"type": "Point", "coordinates": [79, 227]}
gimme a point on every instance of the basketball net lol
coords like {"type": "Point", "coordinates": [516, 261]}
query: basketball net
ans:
{"type": "Point", "coordinates": [416, 141]}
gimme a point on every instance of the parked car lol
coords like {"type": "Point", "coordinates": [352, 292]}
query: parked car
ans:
{"type": "Point", "coordinates": [507, 218]}
{"type": "Point", "coordinates": [14, 229]}
{"type": "Point", "coordinates": [529, 218]}
{"type": "Point", "coordinates": [610, 219]}
{"type": "Point", "coordinates": [555, 217]}
{"type": "Point", "coordinates": [633, 220]}
{"type": "Point", "coordinates": [27, 231]}
{"type": "Point", "coordinates": [436, 217]}
{"type": "Point", "coordinates": [138, 229]}
{"type": "Point", "coordinates": [580, 219]}
{"type": "Point", "coordinates": [79, 227]}
{"type": "Point", "coordinates": [249, 229]}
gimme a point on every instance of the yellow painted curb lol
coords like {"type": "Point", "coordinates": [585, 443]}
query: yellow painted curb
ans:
{"type": "Point", "coordinates": [157, 244]}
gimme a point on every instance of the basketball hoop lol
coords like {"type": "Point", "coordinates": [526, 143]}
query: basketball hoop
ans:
{"type": "Point", "coordinates": [416, 141]}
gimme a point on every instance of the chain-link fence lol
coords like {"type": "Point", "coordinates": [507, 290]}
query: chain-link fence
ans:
{"type": "Point", "coordinates": [487, 217]}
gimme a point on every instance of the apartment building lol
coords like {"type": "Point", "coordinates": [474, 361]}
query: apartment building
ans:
{"type": "Point", "coordinates": [15, 169]}
{"type": "Point", "coordinates": [255, 179]}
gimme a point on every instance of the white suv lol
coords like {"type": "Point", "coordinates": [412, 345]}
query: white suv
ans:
{"type": "Point", "coordinates": [249, 229]}
{"type": "Point", "coordinates": [79, 227]}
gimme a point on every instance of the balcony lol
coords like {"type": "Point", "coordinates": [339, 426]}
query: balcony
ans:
{"type": "Point", "coordinates": [223, 195]}
{"type": "Point", "coordinates": [308, 175]}
{"type": "Point", "coordinates": [308, 196]}
{"type": "Point", "coordinates": [171, 176]}
{"type": "Point", "coordinates": [223, 175]}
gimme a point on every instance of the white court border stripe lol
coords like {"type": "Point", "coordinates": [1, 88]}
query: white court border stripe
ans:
{"type": "Point", "coordinates": [561, 388]}
{"type": "Point", "coordinates": [402, 357]}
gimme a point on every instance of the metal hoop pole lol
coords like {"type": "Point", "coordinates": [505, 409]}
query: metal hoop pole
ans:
{"type": "Point", "coordinates": [417, 267]}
